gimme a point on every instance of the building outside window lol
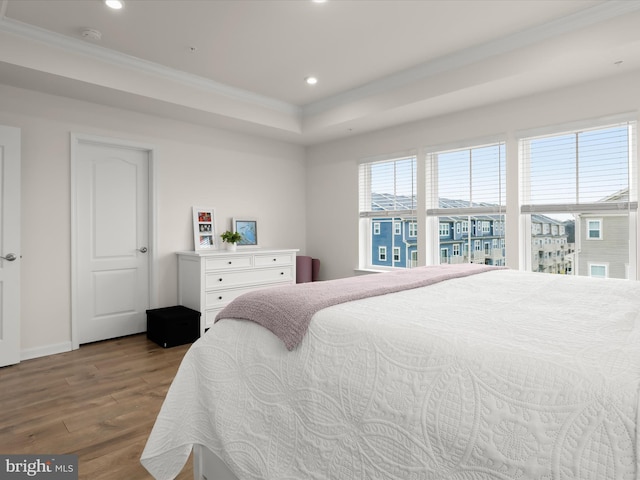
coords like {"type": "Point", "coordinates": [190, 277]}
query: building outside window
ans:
{"type": "Point", "coordinates": [575, 187]}
{"type": "Point", "coordinates": [388, 212]}
{"type": "Point", "coordinates": [469, 185]}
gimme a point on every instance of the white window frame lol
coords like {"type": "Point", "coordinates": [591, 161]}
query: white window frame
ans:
{"type": "Point", "coordinates": [400, 208]}
{"type": "Point", "coordinates": [593, 265]}
{"type": "Point", "coordinates": [474, 207]}
{"type": "Point", "coordinates": [630, 206]}
{"type": "Point", "coordinates": [382, 253]}
{"type": "Point", "coordinates": [600, 229]}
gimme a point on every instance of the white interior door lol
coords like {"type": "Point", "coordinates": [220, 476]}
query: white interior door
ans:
{"type": "Point", "coordinates": [9, 245]}
{"type": "Point", "coordinates": [112, 246]}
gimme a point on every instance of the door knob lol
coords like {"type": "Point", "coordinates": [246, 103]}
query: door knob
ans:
{"type": "Point", "coordinates": [10, 257]}
{"type": "Point", "coordinates": [143, 249]}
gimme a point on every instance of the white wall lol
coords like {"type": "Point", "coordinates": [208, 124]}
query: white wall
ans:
{"type": "Point", "coordinates": [238, 175]}
{"type": "Point", "coordinates": [332, 174]}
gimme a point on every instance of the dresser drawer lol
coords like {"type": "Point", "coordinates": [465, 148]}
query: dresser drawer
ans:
{"type": "Point", "coordinates": [274, 259]}
{"type": "Point", "coordinates": [228, 263]}
{"type": "Point", "coordinates": [220, 297]}
{"type": "Point", "coordinates": [248, 277]}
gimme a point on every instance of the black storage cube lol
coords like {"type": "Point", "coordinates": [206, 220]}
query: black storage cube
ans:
{"type": "Point", "coordinates": [172, 326]}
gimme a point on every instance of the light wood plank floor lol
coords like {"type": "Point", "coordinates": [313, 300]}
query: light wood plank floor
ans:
{"type": "Point", "coordinates": [99, 402]}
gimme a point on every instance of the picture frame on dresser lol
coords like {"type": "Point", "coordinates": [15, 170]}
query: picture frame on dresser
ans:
{"type": "Point", "coordinates": [204, 229]}
{"type": "Point", "coordinates": [248, 228]}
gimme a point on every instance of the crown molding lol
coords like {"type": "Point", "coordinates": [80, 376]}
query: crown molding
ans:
{"type": "Point", "coordinates": [113, 57]}
{"type": "Point", "coordinates": [598, 13]}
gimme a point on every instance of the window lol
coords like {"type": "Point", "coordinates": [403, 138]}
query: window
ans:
{"type": "Point", "coordinates": [387, 199]}
{"type": "Point", "coordinates": [598, 271]}
{"type": "Point", "coordinates": [577, 194]}
{"type": "Point", "coordinates": [594, 229]}
{"type": "Point", "coordinates": [572, 182]}
{"type": "Point", "coordinates": [414, 258]}
{"type": "Point", "coordinates": [467, 187]}
{"type": "Point", "coordinates": [396, 254]}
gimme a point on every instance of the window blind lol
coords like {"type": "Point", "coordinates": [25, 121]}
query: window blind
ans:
{"type": "Point", "coordinates": [388, 188]}
{"type": "Point", "coordinates": [579, 171]}
{"type": "Point", "coordinates": [468, 181]}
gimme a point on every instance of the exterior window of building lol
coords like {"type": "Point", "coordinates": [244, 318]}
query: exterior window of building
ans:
{"type": "Point", "coordinates": [413, 229]}
{"type": "Point", "coordinates": [598, 271]}
{"type": "Point", "coordinates": [387, 205]}
{"type": "Point", "coordinates": [456, 249]}
{"type": "Point", "coordinates": [594, 229]}
{"type": "Point", "coordinates": [466, 195]}
{"type": "Point", "coordinates": [572, 182]}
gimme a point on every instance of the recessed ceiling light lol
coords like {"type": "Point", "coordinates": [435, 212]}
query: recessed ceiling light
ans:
{"type": "Point", "coordinates": [311, 80]}
{"type": "Point", "coordinates": [318, 1]}
{"type": "Point", "coordinates": [115, 4]}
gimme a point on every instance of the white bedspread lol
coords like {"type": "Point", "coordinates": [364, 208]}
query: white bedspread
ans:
{"type": "Point", "coordinates": [501, 375]}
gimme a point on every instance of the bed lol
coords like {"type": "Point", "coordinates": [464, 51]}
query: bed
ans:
{"type": "Point", "coordinates": [494, 374]}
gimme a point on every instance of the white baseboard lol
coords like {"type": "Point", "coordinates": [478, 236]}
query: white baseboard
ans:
{"type": "Point", "coordinates": [29, 353]}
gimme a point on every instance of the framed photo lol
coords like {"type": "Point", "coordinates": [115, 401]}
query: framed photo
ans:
{"type": "Point", "coordinates": [204, 228]}
{"type": "Point", "coordinates": [248, 228]}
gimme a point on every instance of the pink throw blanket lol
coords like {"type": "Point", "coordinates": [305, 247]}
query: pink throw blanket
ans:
{"type": "Point", "coordinates": [287, 310]}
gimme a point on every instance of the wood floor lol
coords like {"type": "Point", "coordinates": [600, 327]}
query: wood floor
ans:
{"type": "Point", "coordinates": [98, 402]}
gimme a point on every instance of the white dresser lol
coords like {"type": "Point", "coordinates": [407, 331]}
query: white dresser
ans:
{"type": "Point", "coordinates": [207, 281]}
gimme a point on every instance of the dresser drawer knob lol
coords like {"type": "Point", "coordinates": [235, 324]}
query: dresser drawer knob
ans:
{"type": "Point", "coordinates": [230, 262]}
{"type": "Point", "coordinates": [281, 273]}
{"type": "Point", "coordinates": [275, 259]}
{"type": "Point", "coordinates": [219, 298]}
{"type": "Point", "coordinates": [219, 279]}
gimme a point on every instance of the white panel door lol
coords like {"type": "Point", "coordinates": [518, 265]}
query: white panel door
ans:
{"type": "Point", "coordinates": [9, 245]}
{"type": "Point", "coordinates": [112, 258]}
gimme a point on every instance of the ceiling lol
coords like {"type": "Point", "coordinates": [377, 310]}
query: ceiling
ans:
{"type": "Point", "coordinates": [241, 64]}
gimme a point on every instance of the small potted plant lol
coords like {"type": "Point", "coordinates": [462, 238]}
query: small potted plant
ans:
{"type": "Point", "coordinates": [231, 239]}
